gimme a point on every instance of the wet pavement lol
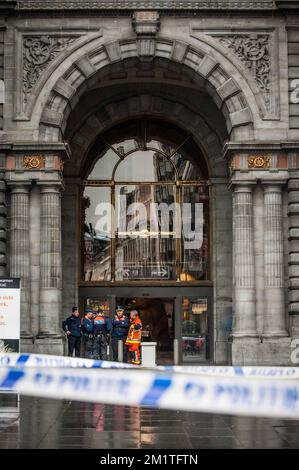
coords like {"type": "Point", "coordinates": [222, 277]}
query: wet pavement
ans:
{"type": "Point", "coordinates": [53, 424]}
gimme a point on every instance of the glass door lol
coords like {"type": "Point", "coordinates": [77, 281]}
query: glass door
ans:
{"type": "Point", "coordinates": [195, 330]}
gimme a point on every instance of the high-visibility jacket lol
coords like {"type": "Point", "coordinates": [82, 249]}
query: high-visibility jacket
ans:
{"type": "Point", "coordinates": [135, 332]}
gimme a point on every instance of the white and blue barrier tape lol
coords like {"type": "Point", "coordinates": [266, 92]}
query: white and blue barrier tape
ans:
{"type": "Point", "coordinates": [43, 360]}
{"type": "Point", "coordinates": [230, 395]}
{"type": "Point", "coordinates": [248, 391]}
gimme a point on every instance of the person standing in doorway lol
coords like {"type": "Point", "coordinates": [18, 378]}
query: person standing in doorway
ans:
{"type": "Point", "coordinates": [72, 328]}
{"type": "Point", "coordinates": [134, 338]}
{"type": "Point", "coordinates": [87, 331]}
{"type": "Point", "coordinates": [101, 335]}
{"type": "Point", "coordinates": [120, 328]}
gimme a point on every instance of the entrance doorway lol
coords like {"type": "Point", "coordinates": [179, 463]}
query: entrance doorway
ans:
{"type": "Point", "coordinates": [157, 316]}
{"type": "Point", "coordinates": [178, 319]}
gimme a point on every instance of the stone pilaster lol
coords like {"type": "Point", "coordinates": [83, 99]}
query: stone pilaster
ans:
{"type": "Point", "coordinates": [50, 260]}
{"type": "Point", "coordinates": [274, 324]}
{"type": "Point", "coordinates": [3, 219]}
{"type": "Point", "coordinates": [293, 213]}
{"type": "Point", "coordinates": [243, 263]}
{"type": "Point", "coordinates": [20, 249]}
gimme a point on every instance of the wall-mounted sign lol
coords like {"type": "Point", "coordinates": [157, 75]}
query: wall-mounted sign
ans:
{"type": "Point", "coordinates": [9, 315]}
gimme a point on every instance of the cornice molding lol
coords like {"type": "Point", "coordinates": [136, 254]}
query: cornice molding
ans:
{"type": "Point", "coordinates": [145, 5]}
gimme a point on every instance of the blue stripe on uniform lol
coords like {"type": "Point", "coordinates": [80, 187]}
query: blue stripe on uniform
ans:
{"type": "Point", "coordinates": [11, 379]}
{"type": "Point", "coordinates": [158, 388]}
{"type": "Point", "coordinates": [22, 359]}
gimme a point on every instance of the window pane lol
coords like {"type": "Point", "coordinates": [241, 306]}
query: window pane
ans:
{"type": "Point", "coordinates": [195, 340]}
{"type": "Point", "coordinates": [145, 166]}
{"type": "Point", "coordinates": [96, 234]}
{"type": "Point", "coordinates": [104, 166]}
{"type": "Point", "coordinates": [145, 245]}
{"type": "Point", "coordinates": [126, 146]}
{"type": "Point", "coordinates": [185, 168]}
{"type": "Point", "coordinates": [195, 233]}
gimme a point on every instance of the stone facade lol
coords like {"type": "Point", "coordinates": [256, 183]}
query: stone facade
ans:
{"type": "Point", "coordinates": [74, 69]}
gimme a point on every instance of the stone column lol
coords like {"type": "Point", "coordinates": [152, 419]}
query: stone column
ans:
{"type": "Point", "coordinates": [274, 314]}
{"type": "Point", "coordinates": [293, 213]}
{"type": "Point", "coordinates": [50, 260]}
{"type": "Point", "coordinates": [243, 262]}
{"type": "Point", "coordinates": [20, 249]}
{"type": "Point", "coordinates": [3, 216]}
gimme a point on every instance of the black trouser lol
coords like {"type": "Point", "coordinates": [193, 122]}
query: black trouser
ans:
{"type": "Point", "coordinates": [74, 342]}
{"type": "Point", "coordinates": [88, 346]}
{"type": "Point", "coordinates": [100, 347]}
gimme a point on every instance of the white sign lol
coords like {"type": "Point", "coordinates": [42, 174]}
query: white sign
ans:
{"type": "Point", "coordinates": [9, 315]}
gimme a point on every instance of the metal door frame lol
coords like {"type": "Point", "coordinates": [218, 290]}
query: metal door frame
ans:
{"type": "Point", "coordinates": [177, 293]}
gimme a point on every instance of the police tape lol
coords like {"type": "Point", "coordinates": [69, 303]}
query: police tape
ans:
{"type": "Point", "coordinates": [46, 360]}
{"type": "Point", "coordinates": [255, 396]}
{"type": "Point", "coordinates": [43, 360]}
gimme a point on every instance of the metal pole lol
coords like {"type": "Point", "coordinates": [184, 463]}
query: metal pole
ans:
{"type": "Point", "coordinates": [175, 351]}
{"type": "Point", "coordinates": [120, 351]}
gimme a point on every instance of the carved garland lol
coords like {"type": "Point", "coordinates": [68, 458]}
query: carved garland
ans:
{"type": "Point", "coordinates": [38, 52]}
{"type": "Point", "coordinates": [253, 51]}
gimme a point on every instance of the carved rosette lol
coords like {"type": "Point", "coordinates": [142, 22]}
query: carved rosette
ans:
{"type": "Point", "coordinates": [253, 51]}
{"type": "Point", "coordinates": [35, 162]}
{"type": "Point", "coordinates": [38, 53]}
{"type": "Point", "coordinates": [259, 161]}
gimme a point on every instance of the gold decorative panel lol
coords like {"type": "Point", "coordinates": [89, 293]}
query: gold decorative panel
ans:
{"type": "Point", "coordinates": [259, 161]}
{"type": "Point", "coordinates": [34, 162]}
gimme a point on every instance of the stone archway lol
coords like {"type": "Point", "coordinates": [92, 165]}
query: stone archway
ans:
{"type": "Point", "coordinates": [79, 72]}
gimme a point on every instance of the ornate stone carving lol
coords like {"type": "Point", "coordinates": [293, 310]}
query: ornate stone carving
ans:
{"type": "Point", "coordinates": [146, 22]}
{"type": "Point", "coordinates": [38, 52]}
{"type": "Point", "coordinates": [253, 51]}
{"type": "Point", "coordinates": [259, 161]}
{"type": "Point", "coordinates": [34, 162]}
{"type": "Point", "coordinates": [144, 4]}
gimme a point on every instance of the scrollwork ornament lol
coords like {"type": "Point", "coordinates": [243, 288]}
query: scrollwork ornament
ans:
{"type": "Point", "coordinates": [253, 51]}
{"type": "Point", "coordinates": [38, 52]}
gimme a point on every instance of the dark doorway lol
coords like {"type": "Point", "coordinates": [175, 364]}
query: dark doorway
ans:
{"type": "Point", "coordinates": [157, 316]}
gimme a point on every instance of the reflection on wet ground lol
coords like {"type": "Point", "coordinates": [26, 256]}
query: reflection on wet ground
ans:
{"type": "Point", "coordinates": [53, 424]}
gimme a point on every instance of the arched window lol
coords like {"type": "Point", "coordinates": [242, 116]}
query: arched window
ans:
{"type": "Point", "coordinates": [145, 210]}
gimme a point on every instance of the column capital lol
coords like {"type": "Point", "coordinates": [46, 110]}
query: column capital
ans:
{"type": "Point", "coordinates": [22, 187]}
{"type": "Point", "coordinates": [273, 185]}
{"type": "Point", "coordinates": [242, 186]}
{"type": "Point", "coordinates": [50, 186]}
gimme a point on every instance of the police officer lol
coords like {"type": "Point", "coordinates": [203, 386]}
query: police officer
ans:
{"type": "Point", "coordinates": [72, 328]}
{"type": "Point", "coordinates": [120, 328]}
{"type": "Point", "coordinates": [87, 331]}
{"type": "Point", "coordinates": [101, 332]}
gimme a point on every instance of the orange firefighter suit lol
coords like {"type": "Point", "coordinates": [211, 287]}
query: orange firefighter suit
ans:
{"type": "Point", "coordinates": [133, 340]}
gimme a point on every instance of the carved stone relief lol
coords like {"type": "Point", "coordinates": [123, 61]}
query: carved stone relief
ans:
{"type": "Point", "coordinates": [38, 53]}
{"type": "Point", "coordinates": [253, 51]}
